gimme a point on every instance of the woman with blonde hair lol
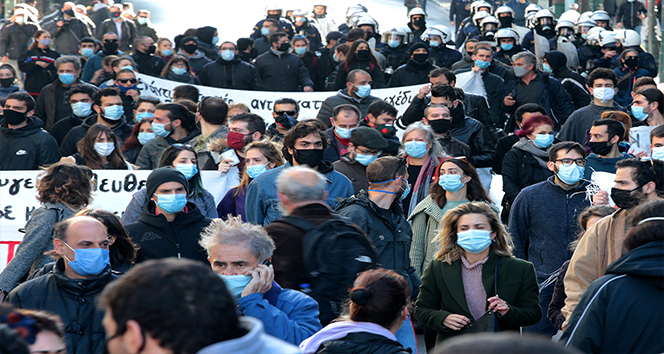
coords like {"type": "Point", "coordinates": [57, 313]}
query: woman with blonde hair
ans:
{"type": "Point", "coordinates": [474, 284]}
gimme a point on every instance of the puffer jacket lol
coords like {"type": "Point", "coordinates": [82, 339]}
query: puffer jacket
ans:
{"type": "Point", "coordinates": [235, 74]}
{"type": "Point", "coordinates": [74, 300]}
{"type": "Point", "coordinates": [26, 148]}
{"type": "Point", "coordinates": [411, 73]}
{"type": "Point", "coordinates": [392, 238]}
{"type": "Point", "coordinates": [362, 343]}
{"type": "Point", "coordinates": [14, 39]}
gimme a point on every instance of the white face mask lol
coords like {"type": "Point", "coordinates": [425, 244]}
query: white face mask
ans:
{"type": "Point", "coordinates": [104, 149]}
{"type": "Point", "coordinates": [604, 94]}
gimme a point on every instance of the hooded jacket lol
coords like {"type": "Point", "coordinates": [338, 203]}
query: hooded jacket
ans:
{"type": "Point", "coordinates": [148, 64]}
{"type": "Point", "coordinates": [26, 148]}
{"type": "Point", "coordinates": [342, 97]}
{"type": "Point", "coordinates": [623, 312]}
{"type": "Point", "coordinates": [411, 73]}
{"type": "Point", "coordinates": [204, 202]}
{"type": "Point", "coordinates": [473, 133]}
{"type": "Point", "coordinates": [204, 36]}
{"type": "Point", "coordinates": [68, 146]}
{"type": "Point", "coordinates": [600, 164]}
{"type": "Point", "coordinates": [235, 74]}
{"type": "Point", "coordinates": [349, 337]}
{"type": "Point", "coordinates": [53, 104]}
{"type": "Point", "coordinates": [465, 60]}
{"type": "Point", "coordinates": [6, 91]}
{"type": "Point", "coordinates": [196, 61]}
{"type": "Point", "coordinates": [148, 158]}
{"type": "Point", "coordinates": [283, 72]}
{"type": "Point", "coordinates": [256, 341]}
{"type": "Point", "coordinates": [574, 84]}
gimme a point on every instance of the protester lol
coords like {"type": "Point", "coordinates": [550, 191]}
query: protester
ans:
{"type": "Point", "coordinates": [315, 66]}
{"type": "Point", "coordinates": [147, 62]}
{"type": "Point", "coordinates": [178, 70]}
{"type": "Point", "coordinates": [125, 30]}
{"type": "Point", "coordinates": [80, 99]}
{"type": "Point", "coordinates": [280, 70]}
{"type": "Point", "coordinates": [364, 147]}
{"type": "Point", "coordinates": [8, 80]}
{"type": "Point", "coordinates": [14, 38]}
{"type": "Point", "coordinates": [627, 72]}
{"type": "Point", "coordinates": [143, 25]}
{"type": "Point", "coordinates": [437, 116]}
{"type": "Point", "coordinates": [516, 122]}
{"type": "Point", "coordinates": [653, 100]}
{"type": "Point", "coordinates": [605, 134]}
{"type": "Point", "coordinates": [357, 93]}
{"type": "Point", "coordinates": [87, 49]}
{"type": "Point", "coordinates": [141, 133]}
{"type": "Point", "coordinates": [229, 71]}
{"type": "Point", "coordinates": [243, 129]}
{"type": "Point", "coordinates": [197, 59]}
{"type": "Point", "coordinates": [99, 150]}
{"type": "Point", "coordinates": [45, 328]}
{"type": "Point", "coordinates": [285, 114]}
{"type": "Point", "coordinates": [207, 38]}
{"type": "Point", "coordinates": [360, 57]}
{"type": "Point", "coordinates": [345, 118]}
{"type": "Point", "coordinates": [67, 31]}
{"type": "Point", "coordinates": [38, 63]}
{"type": "Point", "coordinates": [164, 49]}
{"type": "Point", "coordinates": [416, 70]}
{"type": "Point", "coordinates": [555, 63]}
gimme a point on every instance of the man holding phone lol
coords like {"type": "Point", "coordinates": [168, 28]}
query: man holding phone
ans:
{"type": "Point", "coordinates": [240, 253]}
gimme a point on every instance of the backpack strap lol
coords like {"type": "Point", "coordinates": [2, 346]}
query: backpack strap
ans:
{"type": "Point", "coordinates": [298, 222]}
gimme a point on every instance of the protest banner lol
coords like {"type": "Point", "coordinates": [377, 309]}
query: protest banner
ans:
{"type": "Point", "coordinates": [114, 189]}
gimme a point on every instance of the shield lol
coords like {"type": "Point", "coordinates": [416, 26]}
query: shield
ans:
{"type": "Point", "coordinates": [521, 31]}
{"type": "Point", "coordinates": [541, 46]}
{"type": "Point", "coordinates": [569, 49]}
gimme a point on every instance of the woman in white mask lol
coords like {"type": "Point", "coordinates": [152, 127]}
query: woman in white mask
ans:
{"type": "Point", "coordinates": [99, 150]}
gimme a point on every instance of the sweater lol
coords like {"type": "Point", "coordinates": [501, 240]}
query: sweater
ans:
{"type": "Point", "coordinates": [581, 120]}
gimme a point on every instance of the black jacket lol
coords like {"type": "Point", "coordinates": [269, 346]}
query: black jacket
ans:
{"type": "Point", "coordinates": [53, 104]}
{"type": "Point", "coordinates": [333, 151]}
{"type": "Point", "coordinates": [395, 57]}
{"type": "Point", "coordinates": [284, 72]}
{"type": "Point", "coordinates": [37, 77]}
{"type": "Point", "coordinates": [473, 133]}
{"type": "Point", "coordinates": [574, 83]}
{"type": "Point", "coordinates": [623, 312]}
{"type": "Point", "coordinates": [411, 73]}
{"type": "Point", "coordinates": [520, 170]}
{"type": "Point", "coordinates": [375, 71]}
{"type": "Point", "coordinates": [26, 148]}
{"type": "Point", "coordinates": [235, 74]}
{"type": "Point", "coordinates": [453, 146]}
{"type": "Point", "coordinates": [148, 64]}
{"type": "Point", "coordinates": [62, 127]}
{"type": "Point", "coordinates": [362, 343]}
{"type": "Point", "coordinates": [316, 67]}
{"type": "Point", "coordinates": [14, 39]}
{"type": "Point", "coordinates": [129, 32]}
{"type": "Point", "coordinates": [475, 105]}
{"type": "Point", "coordinates": [145, 30]}
{"type": "Point", "coordinates": [354, 171]}
{"type": "Point", "coordinates": [495, 87]}
{"type": "Point", "coordinates": [66, 39]}
{"type": "Point", "coordinates": [160, 239]}
{"type": "Point", "coordinates": [68, 146]}
{"type": "Point", "coordinates": [628, 13]}
{"type": "Point", "coordinates": [74, 300]}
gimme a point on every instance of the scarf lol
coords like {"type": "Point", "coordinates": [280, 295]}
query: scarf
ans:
{"type": "Point", "coordinates": [524, 144]}
{"type": "Point", "coordinates": [423, 179]}
{"type": "Point", "coordinates": [339, 330]}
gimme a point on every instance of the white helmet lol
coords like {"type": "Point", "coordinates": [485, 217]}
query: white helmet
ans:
{"type": "Point", "coordinates": [585, 16]}
{"type": "Point", "coordinates": [532, 8]}
{"type": "Point", "coordinates": [585, 24]}
{"type": "Point", "coordinates": [530, 20]}
{"type": "Point", "coordinates": [398, 34]}
{"type": "Point", "coordinates": [490, 20]}
{"type": "Point", "coordinates": [476, 5]}
{"type": "Point", "coordinates": [365, 19]}
{"type": "Point", "coordinates": [628, 38]}
{"type": "Point", "coordinates": [607, 38]}
{"type": "Point", "coordinates": [565, 28]}
{"type": "Point", "coordinates": [354, 11]}
{"type": "Point", "coordinates": [416, 11]}
{"type": "Point", "coordinates": [593, 35]}
{"type": "Point", "coordinates": [269, 8]}
{"type": "Point", "coordinates": [571, 16]}
{"type": "Point", "coordinates": [508, 33]}
{"type": "Point", "coordinates": [299, 13]}
{"type": "Point", "coordinates": [438, 30]}
{"type": "Point", "coordinates": [600, 15]}
{"type": "Point", "coordinates": [479, 16]}
{"type": "Point", "coordinates": [503, 10]}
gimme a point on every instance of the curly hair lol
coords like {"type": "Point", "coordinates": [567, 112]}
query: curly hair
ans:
{"type": "Point", "coordinates": [67, 183]}
{"type": "Point", "coordinates": [301, 130]}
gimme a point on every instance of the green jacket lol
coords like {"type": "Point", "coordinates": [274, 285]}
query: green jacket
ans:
{"type": "Point", "coordinates": [442, 294]}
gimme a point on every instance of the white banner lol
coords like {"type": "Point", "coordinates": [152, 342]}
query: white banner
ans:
{"type": "Point", "coordinates": [262, 102]}
{"type": "Point", "coordinates": [18, 198]}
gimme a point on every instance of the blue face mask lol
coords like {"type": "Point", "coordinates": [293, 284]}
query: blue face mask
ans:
{"type": "Point", "coordinates": [406, 191]}
{"type": "Point", "coordinates": [506, 46]}
{"type": "Point", "coordinates": [571, 174]}
{"type": "Point", "coordinates": [658, 153]}
{"type": "Point", "coordinates": [171, 203]}
{"type": "Point", "coordinates": [178, 71]}
{"type": "Point", "coordinates": [393, 43]}
{"type": "Point", "coordinates": [187, 169]}
{"type": "Point", "coordinates": [363, 91]}
{"type": "Point", "coordinates": [143, 115]}
{"type": "Point", "coordinates": [160, 129]}
{"type": "Point", "coordinates": [236, 283]}
{"type": "Point", "coordinates": [254, 171]}
{"type": "Point", "coordinates": [67, 78]}
{"type": "Point", "coordinates": [300, 50]}
{"type": "Point", "coordinates": [89, 261]}
{"type": "Point", "coordinates": [128, 67]}
{"type": "Point", "coordinates": [113, 112]}
{"type": "Point", "coordinates": [87, 52]}
{"type": "Point", "coordinates": [547, 68]}
{"type": "Point", "coordinates": [81, 109]}
{"type": "Point", "coordinates": [215, 40]}
{"type": "Point", "coordinates": [141, 20]}
{"type": "Point", "coordinates": [344, 133]}
{"type": "Point", "coordinates": [144, 137]}
{"type": "Point", "coordinates": [450, 183]}
{"type": "Point", "coordinates": [167, 52]}
{"type": "Point", "coordinates": [434, 44]}
{"type": "Point", "coordinates": [364, 159]}
{"type": "Point", "coordinates": [227, 55]}
{"type": "Point", "coordinates": [543, 141]}
{"type": "Point", "coordinates": [474, 241]}
{"type": "Point", "coordinates": [416, 149]}
{"type": "Point", "coordinates": [335, 58]}
{"type": "Point", "coordinates": [482, 64]}
{"type": "Point", "coordinates": [265, 31]}
{"type": "Point", "coordinates": [638, 113]}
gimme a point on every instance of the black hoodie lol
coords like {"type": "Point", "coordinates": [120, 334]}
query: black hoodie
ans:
{"type": "Point", "coordinates": [68, 146]}
{"type": "Point", "coordinates": [574, 84]}
{"type": "Point", "coordinates": [26, 148]}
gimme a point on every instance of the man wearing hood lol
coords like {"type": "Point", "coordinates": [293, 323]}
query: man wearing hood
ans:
{"type": "Point", "coordinates": [280, 70]}
{"type": "Point", "coordinates": [207, 38]}
{"type": "Point", "coordinates": [229, 71]}
{"type": "Point", "coordinates": [416, 70]}
{"type": "Point", "coordinates": [555, 64]}
{"type": "Point", "coordinates": [357, 93]}
{"type": "Point", "coordinates": [24, 145]}
{"type": "Point", "coordinates": [466, 53]}
{"type": "Point", "coordinates": [109, 42]}
{"type": "Point", "coordinates": [283, 24]}
{"type": "Point", "coordinates": [124, 29]}
{"type": "Point", "coordinates": [190, 49]}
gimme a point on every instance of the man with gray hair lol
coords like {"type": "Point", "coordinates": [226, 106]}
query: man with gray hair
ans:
{"type": "Point", "coordinates": [241, 253]}
{"type": "Point", "coordinates": [531, 86]}
{"type": "Point", "coordinates": [52, 104]}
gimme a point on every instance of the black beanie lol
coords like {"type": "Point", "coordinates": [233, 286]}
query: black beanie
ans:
{"type": "Point", "coordinates": [205, 34]}
{"type": "Point", "coordinates": [161, 176]}
{"type": "Point", "coordinates": [416, 46]}
{"type": "Point", "coordinates": [370, 138]}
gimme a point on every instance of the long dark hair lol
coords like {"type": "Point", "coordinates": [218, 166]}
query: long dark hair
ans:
{"type": "Point", "coordinates": [352, 57]}
{"type": "Point", "coordinates": [123, 250]}
{"type": "Point", "coordinates": [132, 140]}
{"type": "Point", "coordinates": [170, 154]}
{"type": "Point", "coordinates": [474, 190]}
{"type": "Point", "coordinates": [378, 296]}
{"type": "Point", "coordinates": [35, 38]}
{"type": "Point", "coordinates": [92, 159]}
{"type": "Point", "coordinates": [176, 58]}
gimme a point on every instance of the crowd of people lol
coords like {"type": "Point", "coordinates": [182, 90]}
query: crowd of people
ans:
{"type": "Point", "coordinates": [351, 231]}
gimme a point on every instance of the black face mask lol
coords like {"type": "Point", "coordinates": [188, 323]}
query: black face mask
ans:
{"type": "Point", "coordinates": [283, 47]}
{"type": "Point", "coordinates": [624, 198]}
{"type": "Point", "coordinates": [13, 117]}
{"type": "Point", "coordinates": [69, 12]}
{"type": "Point", "coordinates": [115, 14]}
{"type": "Point", "coordinates": [419, 22]}
{"type": "Point", "coordinates": [457, 113]}
{"type": "Point", "coordinates": [421, 58]}
{"type": "Point", "coordinates": [370, 34]}
{"type": "Point", "coordinates": [276, 17]}
{"type": "Point", "coordinates": [311, 158]}
{"type": "Point", "coordinates": [631, 62]}
{"type": "Point", "coordinates": [285, 121]}
{"type": "Point", "coordinates": [7, 82]}
{"type": "Point", "coordinates": [505, 21]}
{"type": "Point", "coordinates": [152, 49]}
{"type": "Point", "coordinates": [387, 130]}
{"type": "Point", "coordinates": [363, 54]}
{"type": "Point", "coordinates": [600, 147]}
{"type": "Point", "coordinates": [441, 126]}
{"type": "Point", "coordinates": [110, 47]}
{"type": "Point", "coordinates": [190, 48]}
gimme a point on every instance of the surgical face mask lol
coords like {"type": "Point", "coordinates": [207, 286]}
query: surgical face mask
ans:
{"type": "Point", "coordinates": [335, 58]}
{"type": "Point", "coordinates": [178, 71]}
{"type": "Point", "coordinates": [434, 44]}
{"type": "Point", "coordinates": [265, 31]}
{"type": "Point", "coordinates": [657, 153]}
{"type": "Point", "coordinates": [365, 159]}
{"type": "Point", "coordinates": [344, 133]}
{"type": "Point", "coordinates": [128, 67]}
{"type": "Point", "coordinates": [639, 113]}
{"type": "Point", "coordinates": [167, 52]}
{"type": "Point", "coordinates": [547, 68]}
{"type": "Point", "coordinates": [506, 46]}
{"type": "Point", "coordinates": [89, 261]}
{"type": "Point", "coordinates": [363, 90]}
{"type": "Point", "coordinates": [160, 129]}
{"type": "Point", "coordinates": [254, 171]}
{"type": "Point", "coordinates": [300, 50]}
{"type": "Point", "coordinates": [142, 20]}
{"type": "Point", "coordinates": [416, 149]}
{"type": "Point", "coordinates": [87, 52]}
{"type": "Point", "coordinates": [187, 169]}
{"type": "Point", "coordinates": [604, 94]}
{"type": "Point", "coordinates": [570, 174]}
{"type": "Point", "coordinates": [113, 112]}
{"type": "Point", "coordinates": [227, 55]}
{"type": "Point", "coordinates": [406, 190]}
{"type": "Point", "coordinates": [67, 78]}
{"type": "Point", "coordinates": [104, 149]}
{"type": "Point", "coordinates": [20, 20]}
{"type": "Point", "coordinates": [543, 141]}
{"type": "Point", "coordinates": [393, 43]}
{"type": "Point", "coordinates": [81, 109]}
{"type": "Point", "coordinates": [171, 203]}
{"type": "Point", "coordinates": [474, 241]}
{"type": "Point", "coordinates": [143, 115]}
{"type": "Point", "coordinates": [236, 283]}
{"type": "Point", "coordinates": [482, 64]}
{"type": "Point", "coordinates": [144, 137]}
{"type": "Point", "coordinates": [520, 71]}
{"type": "Point", "coordinates": [215, 40]}
{"type": "Point", "coordinates": [450, 183]}
{"type": "Point", "coordinates": [45, 42]}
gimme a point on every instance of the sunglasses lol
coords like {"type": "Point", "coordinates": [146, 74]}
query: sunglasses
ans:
{"type": "Point", "coordinates": [290, 113]}
{"type": "Point", "coordinates": [124, 81]}
{"type": "Point", "coordinates": [110, 40]}
{"type": "Point", "coordinates": [180, 146]}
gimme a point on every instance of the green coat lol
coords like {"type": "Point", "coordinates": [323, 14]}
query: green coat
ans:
{"type": "Point", "coordinates": [442, 294]}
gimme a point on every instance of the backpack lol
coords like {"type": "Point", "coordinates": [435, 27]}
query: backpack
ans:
{"type": "Point", "coordinates": [334, 253]}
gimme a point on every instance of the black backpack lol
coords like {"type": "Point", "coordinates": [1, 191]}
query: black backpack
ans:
{"type": "Point", "coordinates": [334, 253]}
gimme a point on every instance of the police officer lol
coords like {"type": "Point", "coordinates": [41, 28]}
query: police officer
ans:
{"type": "Point", "coordinates": [395, 49]}
{"type": "Point", "coordinates": [440, 55]}
{"type": "Point", "coordinates": [305, 28]}
{"type": "Point", "coordinates": [276, 13]}
{"type": "Point", "coordinates": [508, 44]}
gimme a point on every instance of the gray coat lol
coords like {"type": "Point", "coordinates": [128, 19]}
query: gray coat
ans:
{"type": "Point", "coordinates": [38, 239]}
{"type": "Point", "coordinates": [67, 38]}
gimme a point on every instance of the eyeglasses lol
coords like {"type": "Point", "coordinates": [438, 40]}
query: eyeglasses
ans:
{"type": "Point", "coordinates": [124, 81]}
{"type": "Point", "coordinates": [290, 113]}
{"type": "Point", "coordinates": [568, 162]}
{"type": "Point", "coordinates": [180, 146]}
{"type": "Point", "coordinates": [110, 40]}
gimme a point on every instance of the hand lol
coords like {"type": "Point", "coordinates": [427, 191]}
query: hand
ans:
{"type": "Point", "coordinates": [308, 89]}
{"type": "Point", "coordinates": [601, 198]}
{"type": "Point", "coordinates": [509, 101]}
{"type": "Point", "coordinates": [133, 94]}
{"type": "Point", "coordinates": [424, 91]}
{"type": "Point", "coordinates": [641, 154]}
{"type": "Point", "coordinates": [476, 69]}
{"type": "Point", "coordinates": [641, 17]}
{"type": "Point", "coordinates": [610, 54]}
{"type": "Point", "coordinates": [452, 23]}
{"type": "Point", "coordinates": [43, 64]}
{"type": "Point", "coordinates": [225, 165]}
{"type": "Point", "coordinates": [5, 58]}
{"type": "Point", "coordinates": [261, 280]}
{"type": "Point", "coordinates": [60, 23]}
{"type": "Point", "coordinates": [456, 322]}
{"type": "Point", "coordinates": [619, 25]}
{"type": "Point", "coordinates": [498, 305]}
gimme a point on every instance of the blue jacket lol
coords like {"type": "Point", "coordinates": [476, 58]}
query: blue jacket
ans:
{"type": "Point", "coordinates": [287, 314]}
{"type": "Point", "coordinates": [519, 11]}
{"type": "Point", "coordinates": [599, 164]}
{"type": "Point", "coordinates": [262, 205]}
{"type": "Point", "coordinates": [547, 215]}
{"type": "Point", "coordinates": [624, 97]}
{"type": "Point", "coordinates": [93, 64]}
